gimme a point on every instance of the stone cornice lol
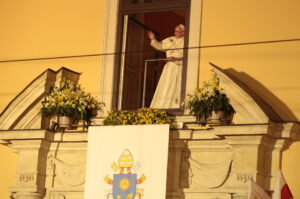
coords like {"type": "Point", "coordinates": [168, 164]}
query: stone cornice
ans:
{"type": "Point", "coordinates": [273, 130]}
{"type": "Point", "coordinates": [7, 137]}
{"type": "Point", "coordinates": [284, 130]}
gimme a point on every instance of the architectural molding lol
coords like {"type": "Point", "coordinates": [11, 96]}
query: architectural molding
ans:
{"type": "Point", "coordinates": [107, 69]}
{"type": "Point", "coordinates": [52, 164]}
{"type": "Point", "coordinates": [108, 62]}
{"type": "Point", "coordinates": [247, 110]}
{"type": "Point", "coordinates": [23, 112]}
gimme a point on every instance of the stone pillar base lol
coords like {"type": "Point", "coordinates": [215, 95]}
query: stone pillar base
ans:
{"type": "Point", "coordinates": [27, 195]}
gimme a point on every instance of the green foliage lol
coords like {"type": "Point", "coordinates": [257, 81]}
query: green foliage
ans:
{"type": "Point", "coordinates": [208, 98]}
{"type": "Point", "coordinates": [70, 100]}
{"type": "Point", "coordinates": [142, 116]}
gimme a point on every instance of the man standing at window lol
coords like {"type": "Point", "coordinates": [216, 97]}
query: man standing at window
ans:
{"type": "Point", "coordinates": [167, 93]}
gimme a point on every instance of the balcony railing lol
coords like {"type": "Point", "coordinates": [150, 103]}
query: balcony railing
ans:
{"type": "Point", "coordinates": [145, 73]}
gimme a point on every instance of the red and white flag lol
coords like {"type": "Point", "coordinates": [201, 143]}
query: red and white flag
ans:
{"type": "Point", "coordinates": [282, 190]}
{"type": "Point", "coordinates": [256, 192]}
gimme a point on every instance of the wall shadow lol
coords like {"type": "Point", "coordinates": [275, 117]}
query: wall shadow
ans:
{"type": "Point", "coordinates": [273, 107]}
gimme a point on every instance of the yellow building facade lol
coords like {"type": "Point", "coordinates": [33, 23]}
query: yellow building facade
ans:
{"type": "Point", "coordinates": [258, 40]}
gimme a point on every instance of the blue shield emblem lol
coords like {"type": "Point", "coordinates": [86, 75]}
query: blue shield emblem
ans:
{"type": "Point", "coordinates": [124, 186]}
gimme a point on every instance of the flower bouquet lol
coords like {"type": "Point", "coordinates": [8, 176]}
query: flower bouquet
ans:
{"type": "Point", "coordinates": [210, 103]}
{"type": "Point", "coordinates": [141, 116]}
{"type": "Point", "coordinates": [72, 101]}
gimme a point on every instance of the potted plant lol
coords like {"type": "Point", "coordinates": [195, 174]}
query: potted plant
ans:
{"type": "Point", "coordinates": [70, 103]}
{"type": "Point", "coordinates": [210, 103]}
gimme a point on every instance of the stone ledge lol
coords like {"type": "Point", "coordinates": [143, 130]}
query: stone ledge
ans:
{"type": "Point", "coordinates": [216, 132]}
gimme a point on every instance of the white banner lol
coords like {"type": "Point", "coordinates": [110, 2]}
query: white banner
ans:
{"type": "Point", "coordinates": [127, 162]}
{"type": "Point", "coordinates": [256, 192]}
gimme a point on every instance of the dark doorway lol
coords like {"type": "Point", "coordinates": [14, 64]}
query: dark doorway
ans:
{"type": "Point", "coordinates": [138, 50]}
{"type": "Point", "coordinates": [136, 45]}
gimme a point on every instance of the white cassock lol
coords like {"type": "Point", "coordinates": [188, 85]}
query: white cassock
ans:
{"type": "Point", "coordinates": [167, 93]}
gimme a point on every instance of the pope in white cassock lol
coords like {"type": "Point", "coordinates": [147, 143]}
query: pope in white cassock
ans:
{"type": "Point", "coordinates": [167, 93]}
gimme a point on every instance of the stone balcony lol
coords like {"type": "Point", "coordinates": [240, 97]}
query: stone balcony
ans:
{"type": "Point", "coordinates": [215, 162]}
{"type": "Point", "coordinates": [203, 163]}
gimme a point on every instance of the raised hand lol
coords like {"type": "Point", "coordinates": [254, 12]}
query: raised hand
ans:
{"type": "Point", "coordinates": [151, 35]}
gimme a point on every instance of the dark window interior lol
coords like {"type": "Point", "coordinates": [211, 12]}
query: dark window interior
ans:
{"type": "Point", "coordinates": [145, 15]}
{"type": "Point", "coordinates": [162, 23]}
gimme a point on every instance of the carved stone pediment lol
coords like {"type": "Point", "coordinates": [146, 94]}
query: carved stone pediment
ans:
{"type": "Point", "coordinates": [23, 112]}
{"type": "Point", "coordinates": [253, 102]}
{"type": "Point", "coordinates": [247, 110]}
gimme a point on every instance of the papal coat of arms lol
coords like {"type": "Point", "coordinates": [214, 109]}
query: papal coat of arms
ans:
{"type": "Point", "coordinates": [125, 182]}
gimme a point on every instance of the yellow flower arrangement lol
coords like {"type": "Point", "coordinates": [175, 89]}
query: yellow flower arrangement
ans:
{"type": "Point", "coordinates": [208, 98]}
{"type": "Point", "coordinates": [70, 100]}
{"type": "Point", "coordinates": [142, 116]}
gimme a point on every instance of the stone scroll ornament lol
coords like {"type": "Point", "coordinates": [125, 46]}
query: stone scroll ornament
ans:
{"type": "Point", "coordinates": [125, 182]}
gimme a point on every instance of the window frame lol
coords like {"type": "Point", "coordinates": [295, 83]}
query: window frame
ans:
{"type": "Point", "coordinates": [156, 4]}
{"type": "Point", "coordinates": [109, 77]}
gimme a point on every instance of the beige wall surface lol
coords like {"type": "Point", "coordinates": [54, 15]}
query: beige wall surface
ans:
{"type": "Point", "coordinates": [42, 29]}
{"type": "Point", "coordinates": [7, 170]}
{"type": "Point", "coordinates": [272, 68]}
{"type": "Point", "coordinates": [274, 65]}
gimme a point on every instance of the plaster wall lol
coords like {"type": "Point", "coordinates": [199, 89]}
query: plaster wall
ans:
{"type": "Point", "coordinates": [273, 65]}
{"type": "Point", "coordinates": [42, 29]}
{"type": "Point", "coordinates": [8, 170]}
{"type": "Point", "coordinates": [35, 29]}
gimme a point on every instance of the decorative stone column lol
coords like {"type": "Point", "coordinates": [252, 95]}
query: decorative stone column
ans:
{"type": "Point", "coordinates": [50, 164]}
{"type": "Point", "coordinates": [177, 149]}
{"type": "Point", "coordinates": [32, 148]}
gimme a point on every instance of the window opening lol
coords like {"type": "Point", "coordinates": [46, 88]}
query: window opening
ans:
{"type": "Point", "coordinates": [136, 44]}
